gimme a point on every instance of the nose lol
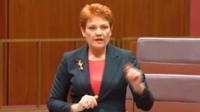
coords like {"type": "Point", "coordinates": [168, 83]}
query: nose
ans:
{"type": "Point", "coordinates": [98, 32]}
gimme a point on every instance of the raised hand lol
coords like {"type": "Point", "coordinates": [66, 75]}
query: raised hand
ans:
{"type": "Point", "coordinates": [134, 77]}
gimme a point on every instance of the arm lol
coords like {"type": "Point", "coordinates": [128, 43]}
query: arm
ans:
{"type": "Point", "coordinates": [57, 100]}
{"type": "Point", "coordinates": [136, 79]}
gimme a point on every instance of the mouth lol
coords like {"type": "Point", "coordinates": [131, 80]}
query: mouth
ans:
{"type": "Point", "coordinates": [99, 40]}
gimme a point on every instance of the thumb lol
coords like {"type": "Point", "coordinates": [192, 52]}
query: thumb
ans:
{"type": "Point", "coordinates": [96, 97]}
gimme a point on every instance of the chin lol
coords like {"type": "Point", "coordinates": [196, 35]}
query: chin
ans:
{"type": "Point", "coordinates": [100, 46]}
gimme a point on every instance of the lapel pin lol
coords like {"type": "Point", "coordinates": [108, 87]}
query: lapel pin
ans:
{"type": "Point", "coordinates": [80, 64]}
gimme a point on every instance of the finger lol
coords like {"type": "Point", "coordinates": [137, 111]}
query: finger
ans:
{"type": "Point", "coordinates": [96, 97]}
{"type": "Point", "coordinates": [83, 105]}
{"type": "Point", "coordinates": [128, 66]}
{"type": "Point", "coordinates": [86, 105]}
{"type": "Point", "coordinates": [92, 104]}
{"type": "Point", "coordinates": [93, 101]}
{"type": "Point", "coordinates": [88, 101]}
{"type": "Point", "coordinates": [83, 102]}
{"type": "Point", "coordinates": [136, 78]}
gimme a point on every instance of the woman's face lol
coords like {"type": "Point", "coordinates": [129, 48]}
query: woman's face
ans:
{"type": "Point", "coordinates": [97, 32]}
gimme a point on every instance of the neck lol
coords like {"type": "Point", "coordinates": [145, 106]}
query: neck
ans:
{"type": "Point", "coordinates": [95, 54]}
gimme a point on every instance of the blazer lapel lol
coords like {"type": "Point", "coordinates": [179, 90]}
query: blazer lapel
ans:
{"type": "Point", "coordinates": [111, 67]}
{"type": "Point", "coordinates": [84, 74]}
{"type": "Point", "coordinates": [110, 72]}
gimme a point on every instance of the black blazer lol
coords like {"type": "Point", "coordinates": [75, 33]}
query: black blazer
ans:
{"type": "Point", "coordinates": [113, 89]}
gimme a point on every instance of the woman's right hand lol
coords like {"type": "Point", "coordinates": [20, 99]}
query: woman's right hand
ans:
{"type": "Point", "coordinates": [86, 102]}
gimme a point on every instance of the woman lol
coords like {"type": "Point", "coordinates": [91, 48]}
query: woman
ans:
{"type": "Point", "coordinates": [98, 73]}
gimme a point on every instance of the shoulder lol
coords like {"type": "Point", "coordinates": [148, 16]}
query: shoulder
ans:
{"type": "Point", "coordinates": [73, 53]}
{"type": "Point", "coordinates": [125, 55]}
{"type": "Point", "coordinates": [70, 56]}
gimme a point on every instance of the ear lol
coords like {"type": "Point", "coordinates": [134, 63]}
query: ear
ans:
{"type": "Point", "coordinates": [111, 27]}
{"type": "Point", "coordinates": [110, 34]}
{"type": "Point", "coordinates": [111, 30]}
{"type": "Point", "coordinates": [83, 31]}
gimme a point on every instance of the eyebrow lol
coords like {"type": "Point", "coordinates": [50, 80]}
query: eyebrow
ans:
{"type": "Point", "coordinates": [100, 24]}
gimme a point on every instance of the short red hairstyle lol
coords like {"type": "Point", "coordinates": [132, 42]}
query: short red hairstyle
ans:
{"type": "Point", "coordinates": [95, 9]}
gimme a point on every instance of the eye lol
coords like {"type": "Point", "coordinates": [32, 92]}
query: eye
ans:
{"type": "Point", "coordinates": [92, 28]}
{"type": "Point", "coordinates": [104, 27]}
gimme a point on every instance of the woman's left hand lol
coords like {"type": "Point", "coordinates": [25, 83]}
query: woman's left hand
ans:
{"type": "Point", "coordinates": [134, 77]}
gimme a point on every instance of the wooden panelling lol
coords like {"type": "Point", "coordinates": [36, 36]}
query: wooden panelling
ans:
{"type": "Point", "coordinates": [52, 18]}
{"type": "Point", "coordinates": [52, 53]}
{"type": "Point", "coordinates": [130, 44]}
{"type": "Point", "coordinates": [22, 108]}
{"type": "Point", "coordinates": [156, 18]}
{"type": "Point", "coordinates": [1, 74]}
{"type": "Point", "coordinates": [3, 19]}
{"type": "Point", "coordinates": [3, 51]}
{"type": "Point", "coordinates": [194, 18]}
{"type": "Point", "coordinates": [44, 19]}
{"type": "Point", "coordinates": [22, 77]}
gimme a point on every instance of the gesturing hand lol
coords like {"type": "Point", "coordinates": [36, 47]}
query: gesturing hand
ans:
{"type": "Point", "coordinates": [134, 77]}
{"type": "Point", "coordinates": [86, 102]}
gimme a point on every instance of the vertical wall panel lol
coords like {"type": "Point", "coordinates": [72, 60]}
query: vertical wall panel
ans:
{"type": "Point", "coordinates": [52, 53]}
{"type": "Point", "coordinates": [43, 18]}
{"type": "Point", "coordinates": [4, 63]}
{"type": "Point", "coordinates": [156, 18]}
{"type": "Point", "coordinates": [3, 52]}
{"type": "Point", "coordinates": [130, 44]}
{"type": "Point", "coordinates": [1, 74]}
{"type": "Point", "coordinates": [195, 18]}
{"type": "Point", "coordinates": [3, 19]}
{"type": "Point", "coordinates": [22, 84]}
